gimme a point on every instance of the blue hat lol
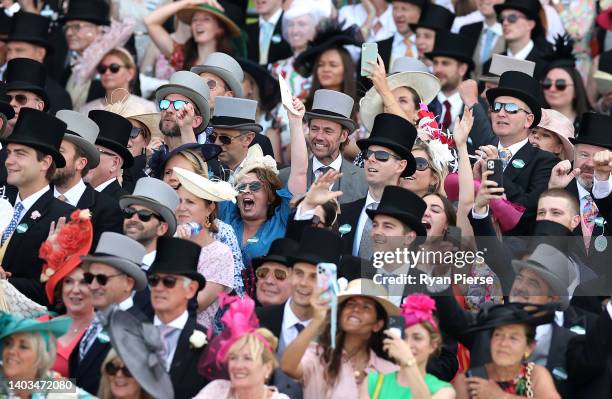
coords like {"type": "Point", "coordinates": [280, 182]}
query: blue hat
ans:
{"type": "Point", "coordinates": [10, 325]}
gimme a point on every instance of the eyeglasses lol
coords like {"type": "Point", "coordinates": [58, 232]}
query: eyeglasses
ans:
{"type": "Point", "coordinates": [511, 18]}
{"type": "Point", "coordinates": [252, 187]}
{"type": "Point", "coordinates": [421, 163]}
{"type": "Point", "coordinates": [142, 214]}
{"type": "Point", "coordinates": [167, 281]}
{"type": "Point", "coordinates": [262, 273]}
{"type": "Point", "coordinates": [177, 104]}
{"type": "Point", "coordinates": [223, 139]}
{"type": "Point", "coordinates": [560, 84]}
{"type": "Point", "coordinates": [20, 99]}
{"type": "Point", "coordinates": [114, 68]}
{"type": "Point", "coordinates": [77, 27]}
{"type": "Point", "coordinates": [112, 369]}
{"type": "Point", "coordinates": [102, 279]}
{"type": "Point", "coordinates": [110, 154]}
{"type": "Point", "coordinates": [510, 108]}
{"type": "Point", "coordinates": [381, 156]}
{"type": "Point", "coordinates": [135, 132]}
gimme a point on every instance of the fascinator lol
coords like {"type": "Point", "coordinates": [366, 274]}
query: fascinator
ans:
{"type": "Point", "coordinates": [255, 159]}
{"type": "Point", "coordinates": [418, 308]}
{"type": "Point", "coordinates": [215, 191]}
{"type": "Point", "coordinates": [438, 142]}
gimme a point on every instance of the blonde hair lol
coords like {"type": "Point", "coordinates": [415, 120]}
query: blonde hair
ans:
{"type": "Point", "coordinates": [440, 175]}
{"type": "Point", "coordinates": [104, 391]}
{"type": "Point", "coordinates": [257, 348]}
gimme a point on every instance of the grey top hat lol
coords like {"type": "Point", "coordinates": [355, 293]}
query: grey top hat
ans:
{"type": "Point", "coordinates": [156, 195]}
{"type": "Point", "coordinates": [408, 64]}
{"type": "Point", "coordinates": [553, 266]}
{"type": "Point", "coordinates": [191, 86]}
{"type": "Point", "coordinates": [82, 132]}
{"type": "Point", "coordinates": [225, 67]}
{"type": "Point", "coordinates": [334, 106]}
{"type": "Point", "coordinates": [235, 113]}
{"type": "Point", "coordinates": [122, 253]}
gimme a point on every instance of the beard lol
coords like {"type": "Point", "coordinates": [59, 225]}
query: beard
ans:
{"type": "Point", "coordinates": [62, 176]}
{"type": "Point", "coordinates": [142, 235]}
{"type": "Point", "coordinates": [173, 131]}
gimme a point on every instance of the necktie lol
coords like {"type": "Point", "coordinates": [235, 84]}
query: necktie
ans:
{"type": "Point", "coordinates": [322, 170]}
{"type": "Point", "coordinates": [299, 327]}
{"type": "Point", "coordinates": [62, 198]}
{"type": "Point", "coordinates": [446, 122]}
{"type": "Point", "coordinates": [485, 52]}
{"type": "Point", "coordinates": [13, 224]}
{"type": "Point", "coordinates": [408, 44]}
{"type": "Point", "coordinates": [505, 155]}
{"type": "Point", "coordinates": [589, 213]}
{"type": "Point", "coordinates": [365, 244]}
{"type": "Point", "coordinates": [167, 335]}
{"type": "Point", "coordinates": [267, 28]}
{"type": "Point", "coordinates": [88, 338]}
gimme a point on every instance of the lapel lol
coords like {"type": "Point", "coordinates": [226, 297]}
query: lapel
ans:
{"type": "Point", "coordinates": [478, 48]}
{"type": "Point", "coordinates": [42, 206]}
{"type": "Point", "coordinates": [310, 174]}
{"type": "Point", "coordinates": [526, 154]}
{"type": "Point", "coordinates": [344, 183]}
{"type": "Point", "coordinates": [92, 356]}
{"type": "Point", "coordinates": [435, 107]}
{"type": "Point", "coordinates": [88, 199]}
{"type": "Point", "coordinates": [181, 355]}
{"type": "Point", "coordinates": [558, 346]}
{"type": "Point", "coordinates": [385, 49]}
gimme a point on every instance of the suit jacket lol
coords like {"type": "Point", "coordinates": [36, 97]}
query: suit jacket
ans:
{"type": "Point", "coordinates": [475, 31]}
{"type": "Point", "coordinates": [131, 175]}
{"type": "Point", "coordinates": [21, 256]}
{"type": "Point", "coordinates": [105, 211]}
{"type": "Point", "coordinates": [58, 96]}
{"type": "Point", "coordinates": [349, 214]}
{"type": "Point", "coordinates": [95, 89]}
{"type": "Point", "coordinates": [186, 380]}
{"type": "Point", "coordinates": [352, 184]}
{"type": "Point", "coordinates": [278, 50]}
{"type": "Point", "coordinates": [115, 191]}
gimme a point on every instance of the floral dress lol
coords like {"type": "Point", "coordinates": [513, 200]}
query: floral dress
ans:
{"type": "Point", "coordinates": [578, 18]}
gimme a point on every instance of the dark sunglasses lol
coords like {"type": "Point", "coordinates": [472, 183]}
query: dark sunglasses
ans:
{"type": "Point", "coordinates": [510, 108]}
{"type": "Point", "coordinates": [381, 156]}
{"type": "Point", "coordinates": [114, 68]}
{"type": "Point", "coordinates": [511, 18]}
{"type": "Point", "coordinates": [177, 104]}
{"type": "Point", "coordinates": [263, 272]}
{"type": "Point", "coordinates": [142, 214]}
{"type": "Point", "coordinates": [167, 281]}
{"type": "Point", "coordinates": [560, 84]}
{"type": "Point", "coordinates": [223, 139]}
{"type": "Point", "coordinates": [421, 163]}
{"type": "Point", "coordinates": [253, 187]}
{"type": "Point", "coordinates": [112, 369]}
{"type": "Point", "coordinates": [102, 279]}
{"type": "Point", "coordinates": [21, 99]}
{"type": "Point", "coordinates": [136, 131]}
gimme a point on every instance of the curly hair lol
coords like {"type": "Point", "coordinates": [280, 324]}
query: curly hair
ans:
{"type": "Point", "coordinates": [271, 183]}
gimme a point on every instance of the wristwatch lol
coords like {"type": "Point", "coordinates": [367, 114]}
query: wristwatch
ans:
{"type": "Point", "coordinates": [409, 363]}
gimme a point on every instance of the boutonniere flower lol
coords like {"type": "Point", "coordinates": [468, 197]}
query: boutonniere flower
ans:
{"type": "Point", "coordinates": [35, 215]}
{"type": "Point", "coordinates": [198, 339]}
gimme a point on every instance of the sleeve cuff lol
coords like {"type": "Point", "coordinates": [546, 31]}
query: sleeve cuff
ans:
{"type": "Point", "coordinates": [299, 215]}
{"type": "Point", "coordinates": [609, 308]}
{"type": "Point", "coordinates": [601, 189]}
{"type": "Point", "coordinates": [478, 216]}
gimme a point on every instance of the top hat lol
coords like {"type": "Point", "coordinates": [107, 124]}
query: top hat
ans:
{"type": "Point", "coordinates": [531, 8]}
{"type": "Point", "coordinates": [436, 18]}
{"type": "Point", "coordinates": [594, 130]}
{"type": "Point", "coordinates": [562, 127]}
{"type": "Point", "coordinates": [156, 195]}
{"type": "Point", "coordinates": [41, 131]}
{"type": "Point", "coordinates": [235, 113]}
{"type": "Point", "coordinates": [28, 75]}
{"type": "Point", "coordinates": [553, 234]}
{"type": "Point", "coordinates": [178, 256]}
{"type": "Point", "coordinates": [114, 134]}
{"type": "Point", "coordinates": [232, 16]}
{"type": "Point", "coordinates": [453, 45]}
{"type": "Point", "coordinates": [122, 253]}
{"type": "Point", "coordinates": [492, 316]}
{"type": "Point", "coordinates": [280, 251]}
{"type": "Point", "coordinates": [31, 28]}
{"type": "Point", "coordinates": [191, 86]}
{"type": "Point", "coordinates": [95, 11]}
{"type": "Point", "coordinates": [404, 205]}
{"type": "Point", "coordinates": [5, 25]}
{"type": "Point", "coordinates": [334, 106]}
{"type": "Point", "coordinates": [226, 67]}
{"type": "Point", "coordinates": [5, 107]}
{"type": "Point", "coordinates": [522, 86]}
{"type": "Point", "coordinates": [82, 132]}
{"type": "Point", "coordinates": [395, 133]}
{"type": "Point", "coordinates": [317, 246]}
{"type": "Point", "coordinates": [419, 3]}
{"type": "Point", "coordinates": [269, 92]}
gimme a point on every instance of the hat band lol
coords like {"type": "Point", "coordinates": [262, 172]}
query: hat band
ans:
{"type": "Point", "coordinates": [73, 133]}
{"type": "Point", "coordinates": [230, 120]}
{"type": "Point", "coordinates": [328, 113]}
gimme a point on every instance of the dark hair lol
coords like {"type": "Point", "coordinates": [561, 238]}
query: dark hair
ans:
{"type": "Point", "coordinates": [79, 153]}
{"type": "Point", "coordinates": [449, 209]}
{"type": "Point", "coordinates": [223, 45]}
{"type": "Point", "coordinates": [271, 183]}
{"type": "Point", "coordinates": [580, 102]}
{"type": "Point", "coordinates": [530, 332]}
{"type": "Point", "coordinates": [51, 171]}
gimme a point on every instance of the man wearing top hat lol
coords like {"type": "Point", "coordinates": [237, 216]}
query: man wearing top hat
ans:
{"type": "Point", "coordinates": [113, 273]}
{"type": "Point", "coordinates": [5, 29]}
{"type": "Point", "coordinates": [79, 150]}
{"type": "Point", "coordinates": [267, 44]}
{"type": "Point", "coordinates": [6, 113]}
{"type": "Point", "coordinates": [29, 38]}
{"type": "Point", "coordinates": [31, 162]}
{"type": "Point", "coordinates": [433, 19]}
{"type": "Point", "coordinates": [329, 125]}
{"type": "Point", "coordinates": [174, 281]}
{"type": "Point", "coordinates": [273, 273]}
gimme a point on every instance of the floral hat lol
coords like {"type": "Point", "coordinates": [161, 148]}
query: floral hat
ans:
{"type": "Point", "coordinates": [439, 142]}
{"type": "Point", "coordinates": [418, 308]}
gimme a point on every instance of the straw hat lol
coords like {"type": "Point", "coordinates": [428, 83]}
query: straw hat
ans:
{"type": "Point", "coordinates": [202, 187]}
{"type": "Point", "coordinates": [369, 289]}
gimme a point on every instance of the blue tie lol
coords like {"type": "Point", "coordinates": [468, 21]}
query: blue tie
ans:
{"type": "Point", "coordinates": [13, 224]}
{"type": "Point", "coordinates": [485, 52]}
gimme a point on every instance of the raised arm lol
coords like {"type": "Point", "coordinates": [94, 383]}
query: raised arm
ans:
{"type": "Point", "coordinates": [378, 76]}
{"type": "Point", "coordinates": [466, 186]}
{"type": "Point", "coordinates": [299, 155]}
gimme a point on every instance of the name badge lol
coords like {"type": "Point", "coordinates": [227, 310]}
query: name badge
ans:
{"type": "Point", "coordinates": [345, 229]}
{"type": "Point", "coordinates": [22, 228]}
{"type": "Point", "coordinates": [518, 163]}
{"type": "Point", "coordinates": [252, 240]}
{"type": "Point", "coordinates": [276, 39]}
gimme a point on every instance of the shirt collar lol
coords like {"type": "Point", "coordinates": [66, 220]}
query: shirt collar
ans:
{"type": "Point", "coordinates": [398, 39]}
{"type": "Point", "coordinates": [178, 323]}
{"type": "Point", "coordinates": [370, 200]}
{"type": "Point", "coordinates": [148, 260]}
{"type": "Point", "coordinates": [496, 28]}
{"type": "Point", "coordinates": [522, 54]}
{"type": "Point", "coordinates": [126, 303]}
{"type": "Point", "coordinates": [73, 195]}
{"type": "Point", "coordinates": [102, 186]}
{"type": "Point", "coordinates": [514, 148]}
{"type": "Point", "coordinates": [31, 200]}
{"type": "Point", "coordinates": [273, 19]}
{"type": "Point", "coordinates": [582, 192]}
{"type": "Point", "coordinates": [289, 318]}
{"type": "Point", "coordinates": [336, 164]}
{"type": "Point", "coordinates": [454, 99]}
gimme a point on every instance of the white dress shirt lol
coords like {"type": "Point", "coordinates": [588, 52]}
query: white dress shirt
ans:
{"type": "Point", "coordinates": [523, 53]}
{"type": "Point", "coordinates": [148, 260]}
{"type": "Point", "coordinates": [288, 330]}
{"type": "Point", "coordinates": [104, 185]}
{"type": "Point", "coordinates": [335, 165]}
{"type": "Point", "coordinates": [74, 194]}
{"type": "Point", "coordinates": [30, 201]}
{"type": "Point", "coordinates": [398, 48]}
{"type": "Point", "coordinates": [456, 106]}
{"type": "Point", "coordinates": [363, 217]}
{"type": "Point", "coordinates": [514, 148]}
{"type": "Point", "coordinates": [179, 324]}
{"type": "Point", "coordinates": [357, 15]}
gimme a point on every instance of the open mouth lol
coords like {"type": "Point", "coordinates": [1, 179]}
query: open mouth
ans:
{"type": "Point", "coordinates": [372, 170]}
{"type": "Point", "coordinates": [248, 204]}
{"type": "Point", "coordinates": [426, 224]}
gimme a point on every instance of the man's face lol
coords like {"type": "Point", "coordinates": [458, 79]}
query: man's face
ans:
{"type": "Point", "coordinates": [425, 39]}
{"type": "Point", "coordinates": [233, 153]}
{"type": "Point", "coordinates": [265, 7]}
{"type": "Point", "coordinates": [405, 14]}
{"type": "Point", "coordinates": [110, 163]}
{"type": "Point", "coordinates": [22, 166]}
{"type": "Point", "coordinates": [168, 123]}
{"type": "Point", "coordinates": [516, 31]}
{"type": "Point", "coordinates": [449, 71]}
{"type": "Point", "coordinates": [583, 159]}
{"type": "Point", "coordinates": [486, 7]}
{"type": "Point", "coordinates": [117, 288]}
{"type": "Point", "coordinates": [382, 173]}
{"type": "Point", "coordinates": [511, 125]}
{"type": "Point", "coordinates": [67, 174]}
{"type": "Point", "coordinates": [389, 234]}
{"type": "Point", "coordinates": [23, 99]}
{"type": "Point", "coordinates": [557, 210]}
{"type": "Point", "coordinates": [217, 87]}
{"type": "Point", "coordinates": [529, 287]}
{"type": "Point", "coordinates": [144, 232]}
{"type": "Point", "coordinates": [3, 51]}
{"type": "Point", "coordinates": [169, 300]}
{"type": "Point", "coordinates": [273, 283]}
{"type": "Point", "coordinates": [303, 282]}
{"type": "Point", "coordinates": [80, 34]}
{"type": "Point", "coordinates": [325, 137]}
{"type": "Point", "coordinates": [25, 50]}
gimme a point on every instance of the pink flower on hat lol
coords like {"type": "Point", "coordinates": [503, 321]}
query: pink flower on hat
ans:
{"type": "Point", "coordinates": [418, 308]}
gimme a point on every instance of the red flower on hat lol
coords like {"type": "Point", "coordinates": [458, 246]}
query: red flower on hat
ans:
{"type": "Point", "coordinates": [418, 308]}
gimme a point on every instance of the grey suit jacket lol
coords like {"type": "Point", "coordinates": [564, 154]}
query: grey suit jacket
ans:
{"type": "Point", "coordinates": [352, 183]}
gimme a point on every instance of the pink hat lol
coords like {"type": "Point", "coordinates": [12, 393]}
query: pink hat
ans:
{"type": "Point", "coordinates": [558, 123]}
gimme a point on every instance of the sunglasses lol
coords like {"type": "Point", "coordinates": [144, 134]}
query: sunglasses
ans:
{"type": "Point", "coordinates": [263, 272]}
{"type": "Point", "coordinates": [136, 131]}
{"type": "Point", "coordinates": [381, 156]}
{"type": "Point", "coordinates": [20, 99]}
{"type": "Point", "coordinates": [511, 18]}
{"type": "Point", "coordinates": [252, 187]}
{"type": "Point", "coordinates": [421, 163]}
{"type": "Point", "coordinates": [143, 215]}
{"type": "Point", "coordinates": [114, 68]}
{"type": "Point", "coordinates": [112, 369]}
{"type": "Point", "coordinates": [102, 279]}
{"type": "Point", "coordinates": [510, 108]}
{"type": "Point", "coordinates": [223, 139]}
{"type": "Point", "coordinates": [177, 104]}
{"type": "Point", "coordinates": [560, 84]}
{"type": "Point", "coordinates": [167, 281]}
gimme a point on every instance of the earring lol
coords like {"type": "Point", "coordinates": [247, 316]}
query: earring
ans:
{"type": "Point", "coordinates": [526, 355]}
{"type": "Point", "coordinates": [207, 222]}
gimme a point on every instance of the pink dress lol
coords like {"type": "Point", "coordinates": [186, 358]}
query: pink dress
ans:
{"type": "Point", "coordinates": [220, 389]}
{"type": "Point", "coordinates": [63, 352]}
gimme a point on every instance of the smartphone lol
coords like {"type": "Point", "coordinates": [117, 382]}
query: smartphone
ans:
{"type": "Point", "coordinates": [397, 325]}
{"type": "Point", "coordinates": [327, 276]}
{"type": "Point", "coordinates": [453, 234]}
{"type": "Point", "coordinates": [369, 52]}
{"type": "Point", "coordinates": [497, 167]}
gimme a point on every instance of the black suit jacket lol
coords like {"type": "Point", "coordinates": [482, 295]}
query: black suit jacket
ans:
{"type": "Point", "coordinates": [349, 214]}
{"type": "Point", "coordinates": [95, 89]}
{"type": "Point", "coordinates": [186, 380]}
{"type": "Point", "coordinates": [58, 96]}
{"type": "Point", "coordinates": [115, 191]}
{"type": "Point", "coordinates": [278, 50]}
{"type": "Point", "coordinates": [105, 211]}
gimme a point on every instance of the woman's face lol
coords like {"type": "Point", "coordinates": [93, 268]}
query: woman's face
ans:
{"type": "Point", "coordinates": [421, 180]}
{"type": "Point", "coordinates": [425, 39]}
{"type": "Point", "coordinates": [556, 98]}
{"type": "Point", "coordinates": [19, 357]}
{"type": "Point", "coordinates": [418, 339]}
{"type": "Point", "coordinates": [177, 160]}
{"type": "Point", "coordinates": [300, 30]}
{"type": "Point", "coordinates": [75, 293]}
{"type": "Point", "coordinates": [545, 140]}
{"type": "Point", "coordinates": [192, 208]}
{"type": "Point", "coordinates": [205, 28]}
{"type": "Point", "coordinates": [359, 316]}
{"type": "Point", "coordinates": [246, 371]}
{"type": "Point", "coordinates": [330, 70]}
{"type": "Point", "coordinates": [137, 144]}
{"type": "Point", "coordinates": [253, 205]}
{"type": "Point", "coordinates": [405, 99]}
{"type": "Point", "coordinates": [120, 79]}
{"type": "Point", "coordinates": [509, 345]}
{"type": "Point", "coordinates": [122, 386]}
{"type": "Point", "coordinates": [434, 218]}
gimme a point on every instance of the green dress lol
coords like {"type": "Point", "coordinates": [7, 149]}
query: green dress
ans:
{"type": "Point", "coordinates": [392, 390]}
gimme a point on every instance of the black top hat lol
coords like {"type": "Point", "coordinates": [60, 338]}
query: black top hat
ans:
{"type": "Point", "coordinates": [453, 45]}
{"type": "Point", "coordinates": [435, 17]}
{"type": "Point", "coordinates": [41, 131]}
{"type": "Point", "coordinates": [531, 8]}
{"type": "Point", "coordinates": [605, 62]}
{"type": "Point", "coordinates": [403, 205]}
{"type": "Point", "coordinates": [318, 245]}
{"type": "Point", "coordinates": [491, 317]}
{"type": "Point", "coordinates": [178, 256]}
{"type": "Point", "coordinates": [395, 133]}
{"type": "Point", "coordinates": [95, 11]}
{"type": "Point", "coordinates": [5, 24]}
{"type": "Point", "coordinates": [594, 129]}
{"type": "Point", "coordinates": [420, 3]}
{"type": "Point", "coordinates": [31, 28]}
{"type": "Point", "coordinates": [269, 92]}
{"type": "Point", "coordinates": [29, 75]}
{"type": "Point", "coordinates": [114, 133]}
{"type": "Point", "coordinates": [522, 86]}
{"type": "Point", "coordinates": [279, 252]}
{"type": "Point", "coordinates": [5, 107]}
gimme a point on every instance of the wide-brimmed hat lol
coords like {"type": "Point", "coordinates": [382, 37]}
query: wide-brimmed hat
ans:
{"type": "Point", "coordinates": [122, 253]}
{"type": "Point", "coordinates": [30, 28]}
{"type": "Point", "coordinates": [593, 130]}
{"type": "Point", "coordinates": [269, 91]}
{"type": "Point", "coordinates": [232, 15]}
{"type": "Point", "coordinates": [139, 344]}
{"type": "Point", "coordinates": [280, 251]}
{"type": "Point", "coordinates": [395, 133]}
{"type": "Point", "coordinates": [29, 130]}
{"type": "Point", "coordinates": [369, 289]}
{"type": "Point", "coordinates": [403, 205]}
{"type": "Point", "coordinates": [553, 266]}
{"type": "Point", "coordinates": [215, 191]}
{"type": "Point", "coordinates": [5, 107]}
{"type": "Point", "coordinates": [225, 67]}
{"type": "Point", "coordinates": [255, 159]}
{"type": "Point", "coordinates": [560, 125]}
{"type": "Point", "coordinates": [334, 106]}
{"type": "Point", "coordinates": [95, 11]}
{"type": "Point", "coordinates": [137, 111]}
{"type": "Point", "coordinates": [156, 195]}
{"type": "Point", "coordinates": [114, 134]}
{"type": "Point", "coordinates": [82, 132]}
{"type": "Point", "coordinates": [10, 325]}
{"type": "Point", "coordinates": [492, 316]}
{"type": "Point", "coordinates": [453, 45]}
{"type": "Point", "coordinates": [317, 246]}
{"type": "Point", "coordinates": [180, 257]}
{"type": "Point", "coordinates": [522, 86]}
{"type": "Point", "coordinates": [436, 18]}
{"type": "Point", "coordinates": [27, 75]}
{"type": "Point", "coordinates": [191, 86]}
{"type": "Point", "coordinates": [235, 113]}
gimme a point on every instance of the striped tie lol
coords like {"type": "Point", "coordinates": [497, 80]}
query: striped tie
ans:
{"type": "Point", "coordinates": [13, 224]}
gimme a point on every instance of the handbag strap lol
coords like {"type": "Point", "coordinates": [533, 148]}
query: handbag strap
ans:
{"type": "Point", "coordinates": [378, 387]}
{"type": "Point", "coordinates": [529, 383]}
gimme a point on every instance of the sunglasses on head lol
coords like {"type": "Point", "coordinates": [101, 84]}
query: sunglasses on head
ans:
{"type": "Point", "coordinates": [114, 68]}
{"type": "Point", "coordinates": [510, 108]}
{"type": "Point", "coordinates": [262, 272]}
{"type": "Point", "coordinates": [511, 18]}
{"type": "Point", "coordinates": [167, 281]}
{"type": "Point", "coordinates": [252, 187]}
{"type": "Point", "coordinates": [142, 214]}
{"type": "Point", "coordinates": [112, 369]}
{"type": "Point", "coordinates": [136, 131]}
{"type": "Point", "coordinates": [177, 104]}
{"type": "Point", "coordinates": [421, 163]}
{"type": "Point", "coordinates": [223, 139]}
{"type": "Point", "coordinates": [102, 279]}
{"type": "Point", "coordinates": [381, 156]}
{"type": "Point", "coordinates": [560, 84]}
{"type": "Point", "coordinates": [21, 99]}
